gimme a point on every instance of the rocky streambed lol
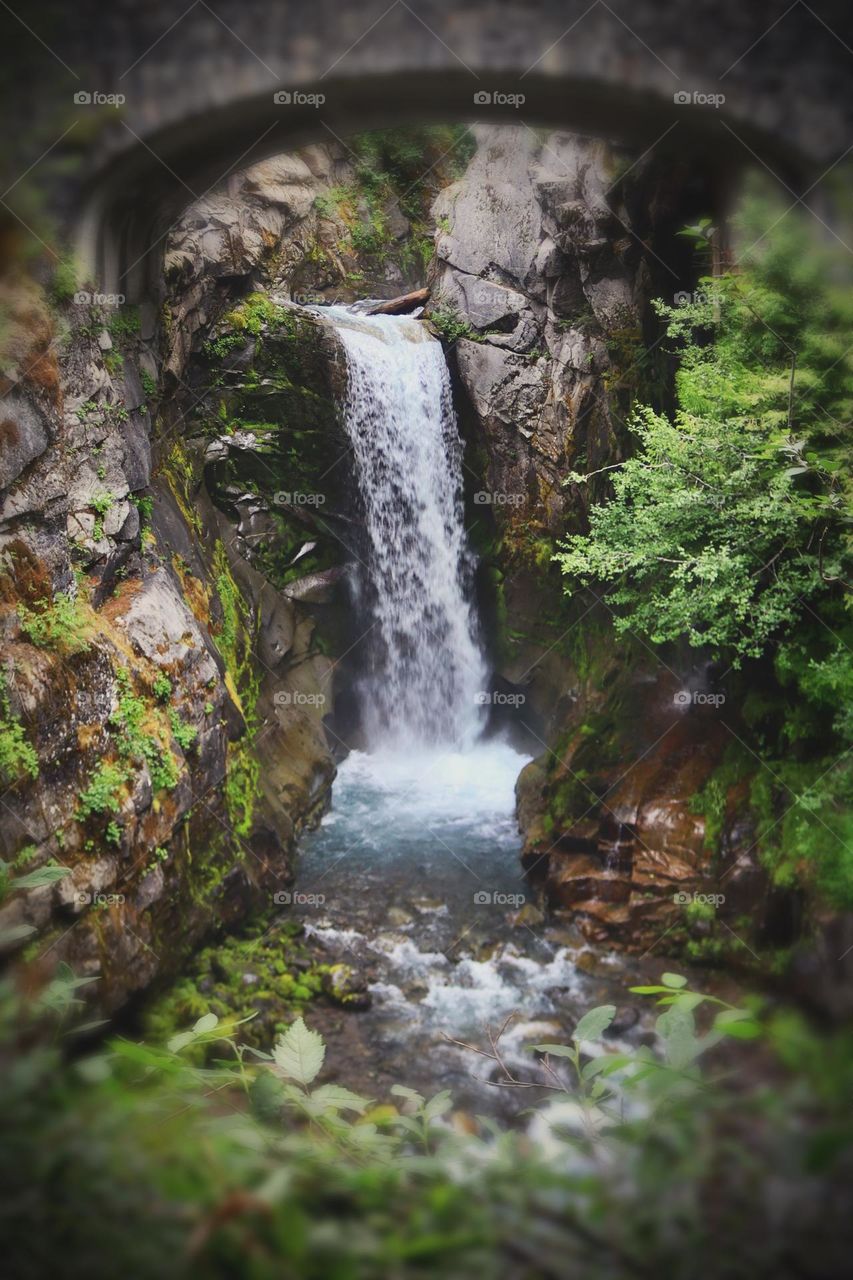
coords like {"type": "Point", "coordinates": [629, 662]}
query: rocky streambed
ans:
{"type": "Point", "coordinates": [413, 885]}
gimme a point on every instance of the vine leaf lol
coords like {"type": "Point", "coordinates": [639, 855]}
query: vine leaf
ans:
{"type": "Point", "coordinates": [594, 1023]}
{"type": "Point", "coordinates": [299, 1053]}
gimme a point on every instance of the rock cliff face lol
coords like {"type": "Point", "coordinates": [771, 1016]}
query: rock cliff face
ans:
{"type": "Point", "coordinates": [548, 252]}
{"type": "Point", "coordinates": [153, 679]}
{"type": "Point", "coordinates": [172, 535]}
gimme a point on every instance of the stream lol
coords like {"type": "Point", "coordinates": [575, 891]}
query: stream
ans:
{"type": "Point", "coordinates": [413, 877]}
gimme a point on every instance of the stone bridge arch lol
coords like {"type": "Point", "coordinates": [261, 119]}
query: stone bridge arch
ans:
{"type": "Point", "coordinates": [732, 82]}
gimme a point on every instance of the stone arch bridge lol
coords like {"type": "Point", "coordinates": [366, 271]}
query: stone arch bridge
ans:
{"type": "Point", "coordinates": [129, 112]}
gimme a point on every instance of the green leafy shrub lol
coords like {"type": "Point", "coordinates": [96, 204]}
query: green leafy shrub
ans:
{"type": "Point", "coordinates": [638, 1162]}
{"type": "Point", "coordinates": [452, 326]}
{"type": "Point", "coordinates": [60, 624]}
{"type": "Point", "coordinates": [104, 792]}
{"type": "Point", "coordinates": [18, 756]}
{"type": "Point", "coordinates": [731, 526]}
{"type": "Point", "coordinates": [185, 734]}
{"type": "Point", "coordinates": [162, 687]}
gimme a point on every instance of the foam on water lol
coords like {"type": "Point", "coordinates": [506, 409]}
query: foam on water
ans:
{"type": "Point", "coordinates": [447, 790]}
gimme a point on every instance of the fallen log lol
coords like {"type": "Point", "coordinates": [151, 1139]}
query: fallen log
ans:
{"type": "Point", "coordinates": [399, 306]}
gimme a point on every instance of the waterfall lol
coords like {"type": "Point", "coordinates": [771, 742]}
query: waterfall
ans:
{"type": "Point", "coordinates": [425, 669]}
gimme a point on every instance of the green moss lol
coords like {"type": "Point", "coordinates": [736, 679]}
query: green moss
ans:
{"type": "Point", "coordinates": [267, 971]}
{"type": "Point", "coordinates": [180, 473]}
{"type": "Point", "coordinates": [142, 735]}
{"type": "Point", "coordinates": [233, 640]}
{"type": "Point", "coordinates": [63, 284]}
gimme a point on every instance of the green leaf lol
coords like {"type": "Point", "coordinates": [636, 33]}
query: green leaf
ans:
{"type": "Point", "coordinates": [684, 999]}
{"type": "Point", "coordinates": [299, 1053]}
{"type": "Point", "coordinates": [438, 1105]}
{"type": "Point", "coordinates": [206, 1022]}
{"type": "Point", "coordinates": [42, 876]}
{"type": "Point", "coordinates": [15, 933]}
{"type": "Point", "coordinates": [180, 1041]}
{"type": "Point", "coordinates": [678, 1031]}
{"type": "Point", "coordinates": [673, 980]}
{"type": "Point", "coordinates": [737, 1023]}
{"type": "Point", "coordinates": [334, 1097]}
{"type": "Point", "coordinates": [415, 1100]}
{"type": "Point", "coordinates": [594, 1023]}
{"type": "Point", "coordinates": [605, 1065]}
{"type": "Point", "coordinates": [555, 1050]}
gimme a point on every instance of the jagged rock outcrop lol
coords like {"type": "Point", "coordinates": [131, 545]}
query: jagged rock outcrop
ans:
{"type": "Point", "coordinates": [153, 675]}
{"type": "Point", "coordinates": [549, 251]}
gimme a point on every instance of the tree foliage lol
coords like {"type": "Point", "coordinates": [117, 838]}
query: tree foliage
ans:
{"type": "Point", "coordinates": [735, 512]}
{"type": "Point", "coordinates": [731, 526]}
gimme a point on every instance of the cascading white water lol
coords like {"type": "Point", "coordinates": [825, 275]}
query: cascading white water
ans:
{"type": "Point", "coordinates": [414, 871]}
{"type": "Point", "coordinates": [422, 687]}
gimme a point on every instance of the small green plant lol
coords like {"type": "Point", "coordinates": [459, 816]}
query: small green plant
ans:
{"type": "Point", "coordinates": [113, 362]}
{"type": "Point", "coordinates": [185, 734]}
{"type": "Point", "coordinates": [59, 624]}
{"type": "Point", "coordinates": [101, 503]}
{"type": "Point", "coordinates": [138, 739]}
{"type": "Point", "coordinates": [83, 410]}
{"type": "Point", "coordinates": [452, 326]}
{"type": "Point", "coordinates": [123, 324]}
{"type": "Point", "coordinates": [18, 756]}
{"type": "Point", "coordinates": [113, 833]}
{"type": "Point", "coordinates": [104, 792]}
{"type": "Point", "coordinates": [162, 687]}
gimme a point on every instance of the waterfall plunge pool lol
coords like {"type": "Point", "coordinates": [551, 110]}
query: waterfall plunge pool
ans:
{"type": "Point", "coordinates": [413, 879]}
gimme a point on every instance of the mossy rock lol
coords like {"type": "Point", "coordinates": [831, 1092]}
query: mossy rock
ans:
{"type": "Point", "coordinates": [267, 975]}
